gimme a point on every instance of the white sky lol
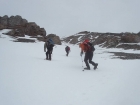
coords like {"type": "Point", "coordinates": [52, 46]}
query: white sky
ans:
{"type": "Point", "coordinates": [67, 17]}
{"type": "Point", "coordinates": [27, 79]}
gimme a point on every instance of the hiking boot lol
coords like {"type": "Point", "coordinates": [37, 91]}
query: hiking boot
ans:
{"type": "Point", "coordinates": [46, 58]}
{"type": "Point", "coordinates": [95, 67]}
{"type": "Point", "coordinates": [87, 68]}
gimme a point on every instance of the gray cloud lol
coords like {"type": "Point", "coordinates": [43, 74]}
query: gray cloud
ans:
{"type": "Point", "coordinates": [67, 17]}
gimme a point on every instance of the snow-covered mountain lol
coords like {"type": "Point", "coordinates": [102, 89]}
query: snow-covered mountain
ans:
{"type": "Point", "coordinates": [27, 79]}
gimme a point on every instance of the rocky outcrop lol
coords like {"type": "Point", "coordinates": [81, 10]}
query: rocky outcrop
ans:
{"type": "Point", "coordinates": [21, 27]}
{"type": "Point", "coordinates": [55, 38]}
{"type": "Point", "coordinates": [12, 22]}
{"type": "Point", "coordinates": [32, 29]}
{"type": "Point", "coordinates": [108, 40]}
{"type": "Point", "coordinates": [130, 38]}
{"type": "Point", "coordinates": [4, 21]}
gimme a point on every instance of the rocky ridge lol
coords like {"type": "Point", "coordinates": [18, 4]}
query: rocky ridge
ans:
{"type": "Point", "coordinates": [109, 40]}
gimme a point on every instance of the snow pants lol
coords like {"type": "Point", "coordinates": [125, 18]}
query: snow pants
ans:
{"type": "Point", "coordinates": [67, 52]}
{"type": "Point", "coordinates": [48, 54]}
{"type": "Point", "coordinates": [88, 57]}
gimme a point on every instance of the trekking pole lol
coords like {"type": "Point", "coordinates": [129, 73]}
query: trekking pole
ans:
{"type": "Point", "coordinates": [82, 64]}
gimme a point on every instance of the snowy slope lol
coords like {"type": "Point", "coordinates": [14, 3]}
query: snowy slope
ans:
{"type": "Point", "coordinates": [27, 79]}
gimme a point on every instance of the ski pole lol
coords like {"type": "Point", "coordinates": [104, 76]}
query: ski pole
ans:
{"type": "Point", "coordinates": [82, 63]}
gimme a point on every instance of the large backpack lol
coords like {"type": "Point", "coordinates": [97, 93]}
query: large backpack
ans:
{"type": "Point", "coordinates": [88, 47]}
{"type": "Point", "coordinates": [50, 43]}
{"type": "Point", "coordinates": [91, 46]}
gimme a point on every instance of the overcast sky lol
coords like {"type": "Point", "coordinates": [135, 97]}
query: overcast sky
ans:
{"type": "Point", "coordinates": [68, 17]}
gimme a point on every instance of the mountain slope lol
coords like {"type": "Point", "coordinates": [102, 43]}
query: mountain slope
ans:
{"type": "Point", "coordinates": [27, 79]}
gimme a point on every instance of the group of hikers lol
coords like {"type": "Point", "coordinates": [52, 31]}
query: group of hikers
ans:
{"type": "Point", "coordinates": [85, 46]}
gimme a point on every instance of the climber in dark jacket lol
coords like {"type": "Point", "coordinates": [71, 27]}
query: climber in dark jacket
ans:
{"type": "Point", "coordinates": [49, 44]}
{"type": "Point", "coordinates": [67, 49]}
{"type": "Point", "coordinates": [88, 48]}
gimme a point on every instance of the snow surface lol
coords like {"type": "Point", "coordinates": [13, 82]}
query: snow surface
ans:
{"type": "Point", "coordinates": [27, 79]}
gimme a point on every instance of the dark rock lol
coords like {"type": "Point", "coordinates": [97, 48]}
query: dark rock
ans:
{"type": "Point", "coordinates": [21, 26]}
{"type": "Point", "coordinates": [16, 32]}
{"type": "Point", "coordinates": [24, 40]}
{"type": "Point", "coordinates": [17, 20]}
{"type": "Point", "coordinates": [129, 46]}
{"type": "Point", "coordinates": [55, 38]}
{"type": "Point", "coordinates": [125, 56]}
{"type": "Point", "coordinates": [32, 29]}
{"type": "Point", "coordinates": [4, 20]}
{"type": "Point", "coordinates": [2, 27]}
{"type": "Point", "coordinates": [84, 32]}
{"type": "Point", "coordinates": [130, 38]}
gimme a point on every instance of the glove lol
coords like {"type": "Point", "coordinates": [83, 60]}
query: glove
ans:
{"type": "Point", "coordinates": [81, 53]}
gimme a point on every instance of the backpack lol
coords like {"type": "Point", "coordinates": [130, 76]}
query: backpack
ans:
{"type": "Point", "coordinates": [91, 46]}
{"type": "Point", "coordinates": [86, 46]}
{"type": "Point", "coordinates": [67, 48]}
{"type": "Point", "coordinates": [50, 43]}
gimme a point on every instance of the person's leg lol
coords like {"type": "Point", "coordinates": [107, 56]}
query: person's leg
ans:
{"type": "Point", "coordinates": [86, 61]}
{"type": "Point", "coordinates": [50, 56]}
{"type": "Point", "coordinates": [47, 55]}
{"type": "Point", "coordinates": [67, 53]}
{"type": "Point", "coordinates": [90, 59]}
{"type": "Point", "coordinates": [91, 62]}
